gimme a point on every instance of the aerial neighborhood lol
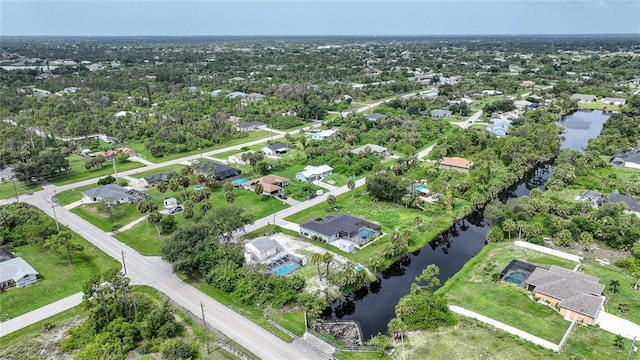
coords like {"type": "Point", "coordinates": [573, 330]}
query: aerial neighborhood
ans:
{"type": "Point", "coordinates": [344, 198]}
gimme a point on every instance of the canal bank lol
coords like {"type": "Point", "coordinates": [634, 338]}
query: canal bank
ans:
{"type": "Point", "coordinates": [373, 305]}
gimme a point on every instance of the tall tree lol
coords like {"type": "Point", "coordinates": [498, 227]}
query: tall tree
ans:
{"type": "Point", "coordinates": [259, 189]}
{"type": "Point", "coordinates": [351, 184]}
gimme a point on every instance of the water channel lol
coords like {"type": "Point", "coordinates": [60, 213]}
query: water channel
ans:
{"type": "Point", "coordinates": [373, 305]}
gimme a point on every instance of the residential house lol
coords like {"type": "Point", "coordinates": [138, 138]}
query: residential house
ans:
{"type": "Point", "coordinates": [633, 205]}
{"type": "Point", "coordinates": [372, 148]}
{"type": "Point", "coordinates": [170, 203]}
{"type": "Point", "coordinates": [455, 163]}
{"type": "Point", "coordinates": [593, 197]}
{"type": "Point", "coordinates": [583, 98]}
{"type": "Point", "coordinates": [271, 184]}
{"type": "Point", "coordinates": [237, 158]}
{"type": "Point", "coordinates": [251, 126]}
{"type": "Point", "coordinates": [313, 173]}
{"type": "Point", "coordinates": [522, 104]}
{"type": "Point", "coordinates": [341, 226]}
{"type": "Point", "coordinates": [116, 193]}
{"type": "Point", "coordinates": [112, 154]}
{"type": "Point", "coordinates": [255, 97]}
{"type": "Point", "coordinates": [275, 149]}
{"type": "Point", "coordinates": [260, 249]}
{"type": "Point", "coordinates": [324, 134]}
{"type": "Point", "coordinates": [216, 92]}
{"type": "Point", "coordinates": [629, 159]}
{"type": "Point", "coordinates": [634, 81]}
{"type": "Point", "coordinates": [614, 101]}
{"type": "Point", "coordinates": [464, 100]}
{"type": "Point", "coordinates": [527, 83]}
{"type": "Point", "coordinates": [490, 93]}
{"type": "Point", "coordinates": [220, 171]}
{"type": "Point", "coordinates": [441, 113]}
{"type": "Point", "coordinates": [577, 296]}
{"type": "Point", "coordinates": [236, 94]}
{"type": "Point", "coordinates": [153, 180]}
{"type": "Point", "coordinates": [499, 129]}
{"type": "Point", "coordinates": [15, 271]}
{"type": "Point", "coordinates": [374, 117]}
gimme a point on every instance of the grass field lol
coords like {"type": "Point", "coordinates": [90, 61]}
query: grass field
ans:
{"type": "Point", "coordinates": [122, 215]}
{"type": "Point", "coordinates": [70, 196]}
{"type": "Point", "coordinates": [144, 239]}
{"type": "Point", "coordinates": [597, 105]}
{"type": "Point", "coordinates": [8, 191]}
{"type": "Point", "coordinates": [146, 154]}
{"type": "Point", "coordinates": [472, 340]}
{"type": "Point", "coordinates": [56, 280]}
{"type": "Point", "coordinates": [390, 216]}
{"type": "Point", "coordinates": [79, 172]}
{"type": "Point", "coordinates": [175, 167]}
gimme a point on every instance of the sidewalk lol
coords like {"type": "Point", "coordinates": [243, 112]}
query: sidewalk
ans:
{"type": "Point", "coordinates": [130, 225]}
{"type": "Point", "coordinates": [40, 314]}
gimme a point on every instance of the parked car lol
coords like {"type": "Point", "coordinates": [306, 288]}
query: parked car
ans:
{"type": "Point", "coordinates": [311, 196]}
{"type": "Point", "coordinates": [282, 196]}
{"type": "Point", "coordinates": [175, 210]}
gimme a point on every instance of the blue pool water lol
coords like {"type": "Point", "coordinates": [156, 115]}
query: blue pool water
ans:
{"type": "Point", "coordinates": [516, 278]}
{"type": "Point", "coordinates": [366, 233]}
{"type": "Point", "coordinates": [285, 269]}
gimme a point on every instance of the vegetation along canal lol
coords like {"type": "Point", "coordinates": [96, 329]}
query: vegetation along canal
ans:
{"type": "Point", "coordinates": [373, 305]}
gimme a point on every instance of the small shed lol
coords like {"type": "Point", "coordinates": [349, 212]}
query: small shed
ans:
{"type": "Point", "coordinates": [170, 203]}
{"type": "Point", "coordinates": [345, 245]}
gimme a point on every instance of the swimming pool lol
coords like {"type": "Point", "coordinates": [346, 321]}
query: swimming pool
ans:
{"type": "Point", "coordinates": [516, 278]}
{"type": "Point", "coordinates": [366, 233]}
{"type": "Point", "coordinates": [285, 269]}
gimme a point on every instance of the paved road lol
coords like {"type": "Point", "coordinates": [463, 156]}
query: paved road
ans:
{"type": "Point", "coordinates": [617, 325]}
{"type": "Point", "coordinates": [467, 123]}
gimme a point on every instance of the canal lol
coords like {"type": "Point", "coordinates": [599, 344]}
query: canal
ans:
{"type": "Point", "coordinates": [373, 305]}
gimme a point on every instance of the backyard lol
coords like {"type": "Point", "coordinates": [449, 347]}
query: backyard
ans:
{"type": "Point", "coordinates": [7, 189]}
{"type": "Point", "coordinates": [122, 215]}
{"type": "Point", "coordinates": [56, 280]}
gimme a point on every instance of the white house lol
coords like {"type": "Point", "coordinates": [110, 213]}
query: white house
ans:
{"type": "Point", "coordinates": [630, 159]}
{"type": "Point", "coordinates": [16, 272]}
{"type": "Point", "coordinates": [583, 98]}
{"type": "Point", "coordinates": [260, 249]}
{"type": "Point", "coordinates": [312, 173]}
{"type": "Point", "coordinates": [376, 149]}
{"type": "Point", "coordinates": [324, 134]}
{"type": "Point", "coordinates": [170, 203]}
{"type": "Point", "coordinates": [237, 158]}
{"type": "Point", "coordinates": [251, 126]}
{"type": "Point", "coordinates": [614, 101]}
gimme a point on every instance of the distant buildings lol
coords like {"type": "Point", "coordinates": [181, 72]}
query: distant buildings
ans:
{"type": "Point", "coordinates": [629, 159]}
{"type": "Point", "coordinates": [583, 98]}
{"type": "Point", "coordinates": [275, 149]}
{"type": "Point", "coordinates": [313, 173]}
{"type": "Point", "coordinates": [440, 113]}
{"type": "Point", "coordinates": [614, 101]}
{"type": "Point", "coordinates": [251, 126]}
{"type": "Point", "coordinates": [341, 226]}
{"type": "Point", "coordinates": [455, 163]}
{"type": "Point", "coordinates": [220, 171]}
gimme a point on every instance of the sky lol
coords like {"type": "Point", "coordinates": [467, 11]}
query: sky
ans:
{"type": "Point", "coordinates": [316, 17]}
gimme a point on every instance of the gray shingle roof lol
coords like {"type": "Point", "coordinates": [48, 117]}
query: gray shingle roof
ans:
{"type": "Point", "coordinates": [333, 225]}
{"type": "Point", "coordinates": [577, 292]}
{"type": "Point", "coordinates": [111, 190]}
{"type": "Point", "coordinates": [632, 204]}
{"type": "Point", "coordinates": [374, 116]}
{"type": "Point", "coordinates": [630, 157]}
{"type": "Point", "coordinates": [372, 147]}
{"type": "Point", "coordinates": [15, 269]}
{"type": "Point", "coordinates": [164, 176]}
{"type": "Point", "coordinates": [220, 171]}
{"type": "Point", "coordinates": [277, 146]}
{"type": "Point", "coordinates": [440, 113]}
{"type": "Point", "coordinates": [250, 124]}
{"type": "Point", "coordinates": [265, 243]}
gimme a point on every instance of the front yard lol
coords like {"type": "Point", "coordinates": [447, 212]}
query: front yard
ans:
{"type": "Point", "coordinates": [7, 189]}
{"type": "Point", "coordinates": [122, 215]}
{"type": "Point", "coordinates": [79, 172]}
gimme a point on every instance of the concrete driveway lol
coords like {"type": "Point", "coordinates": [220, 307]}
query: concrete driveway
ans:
{"type": "Point", "coordinates": [619, 326]}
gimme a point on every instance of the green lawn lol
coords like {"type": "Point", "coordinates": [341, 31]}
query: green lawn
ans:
{"type": "Point", "coordinates": [625, 293]}
{"type": "Point", "coordinates": [146, 154]}
{"type": "Point", "coordinates": [291, 320]}
{"type": "Point", "coordinates": [597, 105]}
{"type": "Point", "coordinates": [56, 280]}
{"type": "Point", "coordinates": [144, 238]}
{"type": "Point", "coordinates": [472, 288]}
{"type": "Point", "coordinates": [79, 172]}
{"type": "Point", "coordinates": [175, 167]}
{"type": "Point", "coordinates": [7, 189]}
{"type": "Point", "coordinates": [70, 196]}
{"type": "Point", "coordinates": [122, 215]}
{"type": "Point", "coordinates": [390, 216]}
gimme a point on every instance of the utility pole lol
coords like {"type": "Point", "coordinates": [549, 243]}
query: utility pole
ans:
{"type": "Point", "coordinates": [274, 215]}
{"type": "Point", "coordinates": [15, 189]}
{"type": "Point", "coordinates": [204, 322]}
{"type": "Point", "coordinates": [633, 345]}
{"type": "Point", "coordinates": [54, 203]}
{"type": "Point", "coordinates": [115, 169]}
{"type": "Point", "coordinates": [124, 265]}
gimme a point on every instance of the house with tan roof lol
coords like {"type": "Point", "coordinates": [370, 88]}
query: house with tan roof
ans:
{"type": "Point", "coordinates": [455, 163]}
{"type": "Point", "coordinates": [271, 184]}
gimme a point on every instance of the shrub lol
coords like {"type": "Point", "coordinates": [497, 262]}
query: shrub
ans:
{"type": "Point", "coordinates": [176, 349]}
{"type": "Point", "coordinates": [106, 180]}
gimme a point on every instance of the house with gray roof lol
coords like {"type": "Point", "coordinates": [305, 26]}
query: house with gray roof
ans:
{"type": "Point", "coordinates": [633, 205]}
{"type": "Point", "coordinates": [117, 194]}
{"type": "Point", "coordinates": [220, 171]}
{"type": "Point", "coordinates": [629, 159]}
{"type": "Point", "coordinates": [374, 117]}
{"type": "Point", "coordinates": [251, 126]}
{"type": "Point", "coordinates": [577, 296]}
{"type": "Point", "coordinates": [6, 173]}
{"type": "Point", "coordinates": [16, 272]}
{"type": "Point", "coordinates": [260, 249]}
{"type": "Point", "coordinates": [593, 197]}
{"type": "Point", "coordinates": [275, 149]}
{"type": "Point", "coordinates": [614, 101]}
{"type": "Point", "coordinates": [341, 226]}
{"type": "Point", "coordinates": [440, 113]}
{"type": "Point", "coordinates": [583, 98]}
{"type": "Point", "coordinates": [152, 180]}
{"type": "Point", "coordinates": [376, 149]}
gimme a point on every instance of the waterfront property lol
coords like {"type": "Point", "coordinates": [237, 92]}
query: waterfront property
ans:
{"type": "Point", "coordinates": [614, 101]}
{"type": "Point", "coordinates": [455, 163]}
{"type": "Point", "coordinates": [633, 204]}
{"type": "Point", "coordinates": [577, 296]}
{"type": "Point", "coordinates": [341, 226]}
{"type": "Point", "coordinates": [15, 271]}
{"type": "Point", "coordinates": [268, 251]}
{"type": "Point", "coordinates": [629, 159]}
{"type": "Point", "coordinates": [115, 193]}
{"type": "Point", "coordinates": [583, 98]}
{"type": "Point", "coordinates": [593, 197]}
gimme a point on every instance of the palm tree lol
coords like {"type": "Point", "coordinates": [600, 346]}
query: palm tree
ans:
{"type": "Point", "coordinates": [228, 186]}
{"type": "Point", "coordinates": [351, 184]}
{"type": "Point", "coordinates": [162, 186]}
{"type": "Point", "coordinates": [155, 218]}
{"type": "Point", "coordinates": [259, 189]}
{"type": "Point", "coordinates": [143, 207]}
{"type": "Point", "coordinates": [613, 286]}
{"type": "Point", "coordinates": [417, 221]}
{"type": "Point", "coordinates": [375, 261]}
{"type": "Point", "coordinates": [623, 307]}
{"type": "Point", "coordinates": [509, 225]}
{"type": "Point", "coordinates": [327, 258]}
{"type": "Point", "coordinates": [204, 207]}
{"type": "Point", "coordinates": [230, 197]}
{"type": "Point", "coordinates": [316, 259]}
